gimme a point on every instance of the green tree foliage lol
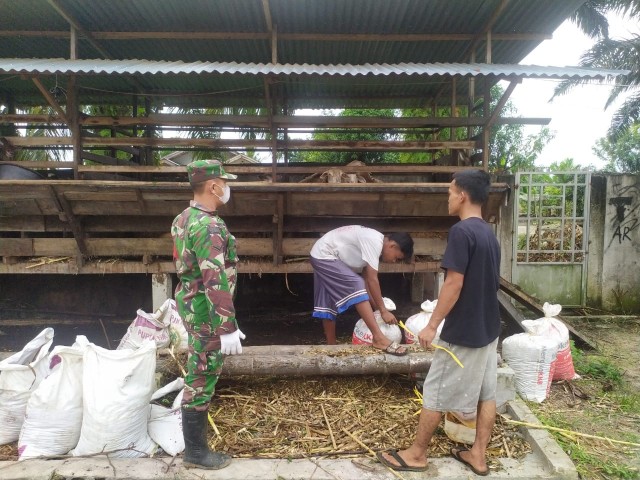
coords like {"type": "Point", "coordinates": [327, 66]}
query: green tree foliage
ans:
{"type": "Point", "coordinates": [213, 133]}
{"type": "Point", "coordinates": [622, 154]}
{"type": "Point", "coordinates": [623, 54]}
{"type": "Point", "coordinates": [510, 149]}
{"type": "Point", "coordinates": [435, 134]}
{"type": "Point", "coordinates": [369, 135]}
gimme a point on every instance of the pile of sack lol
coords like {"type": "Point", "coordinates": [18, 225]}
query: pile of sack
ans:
{"type": "Point", "coordinates": [540, 355]}
{"type": "Point", "coordinates": [84, 399]}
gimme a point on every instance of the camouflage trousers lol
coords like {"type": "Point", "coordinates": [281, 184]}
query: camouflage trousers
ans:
{"type": "Point", "coordinates": [204, 364]}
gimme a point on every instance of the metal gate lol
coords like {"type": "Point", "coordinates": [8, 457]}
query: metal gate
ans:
{"type": "Point", "coordinates": [551, 235]}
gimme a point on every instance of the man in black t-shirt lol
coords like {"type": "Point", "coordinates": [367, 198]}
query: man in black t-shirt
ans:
{"type": "Point", "coordinates": [469, 301]}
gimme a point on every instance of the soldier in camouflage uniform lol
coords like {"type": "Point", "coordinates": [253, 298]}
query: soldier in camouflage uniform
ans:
{"type": "Point", "coordinates": [205, 258]}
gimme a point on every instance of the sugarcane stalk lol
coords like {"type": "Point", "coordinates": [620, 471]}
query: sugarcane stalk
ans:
{"type": "Point", "coordinates": [569, 432]}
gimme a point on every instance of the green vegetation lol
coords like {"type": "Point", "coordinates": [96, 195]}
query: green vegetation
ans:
{"type": "Point", "coordinates": [603, 403]}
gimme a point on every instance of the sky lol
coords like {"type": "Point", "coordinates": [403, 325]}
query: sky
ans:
{"type": "Point", "coordinates": [578, 118]}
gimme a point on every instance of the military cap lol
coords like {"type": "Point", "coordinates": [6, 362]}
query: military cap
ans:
{"type": "Point", "coordinates": [202, 170]}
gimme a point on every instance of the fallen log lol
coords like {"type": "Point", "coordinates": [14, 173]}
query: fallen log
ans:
{"type": "Point", "coordinates": [309, 360]}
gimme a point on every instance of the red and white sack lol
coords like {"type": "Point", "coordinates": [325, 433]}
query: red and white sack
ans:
{"type": "Point", "coordinates": [20, 375]}
{"type": "Point", "coordinates": [532, 359]}
{"type": "Point", "coordinates": [54, 412]}
{"type": "Point", "coordinates": [117, 386]}
{"type": "Point", "coordinates": [552, 328]}
{"type": "Point", "coordinates": [415, 323]}
{"type": "Point", "coordinates": [363, 336]}
{"type": "Point", "coordinates": [165, 424]}
{"type": "Point", "coordinates": [164, 327]}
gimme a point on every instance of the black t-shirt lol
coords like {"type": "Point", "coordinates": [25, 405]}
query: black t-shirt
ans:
{"type": "Point", "coordinates": [473, 251]}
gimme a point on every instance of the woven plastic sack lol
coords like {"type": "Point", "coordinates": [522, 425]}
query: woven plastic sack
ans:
{"type": "Point", "coordinates": [164, 326]}
{"type": "Point", "coordinates": [416, 323]}
{"type": "Point", "coordinates": [362, 335]}
{"type": "Point", "coordinates": [552, 328]}
{"type": "Point", "coordinates": [165, 424]}
{"type": "Point", "coordinates": [54, 412]}
{"type": "Point", "coordinates": [20, 375]}
{"type": "Point", "coordinates": [117, 386]}
{"type": "Point", "coordinates": [532, 359]}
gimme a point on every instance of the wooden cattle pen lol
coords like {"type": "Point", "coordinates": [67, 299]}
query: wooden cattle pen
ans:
{"type": "Point", "coordinates": [94, 226]}
{"type": "Point", "coordinates": [107, 92]}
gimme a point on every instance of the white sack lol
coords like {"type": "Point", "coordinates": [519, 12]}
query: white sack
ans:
{"type": "Point", "coordinates": [165, 424]}
{"type": "Point", "coordinates": [54, 412]}
{"type": "Point", "coordinates": [362, 335]}
{"type": "Point", "coordinates": [416, 323]}
{"type": "Point", "coordinates": [164, 327]}
{"type": "Point", "coordinates": [20, 374]}
{"type": "Point", "coordinates": [117, 388]}
{"type": "Point", "coordinates": [532, 359]}
{"type": "Point", "coordinates": [552, 328]}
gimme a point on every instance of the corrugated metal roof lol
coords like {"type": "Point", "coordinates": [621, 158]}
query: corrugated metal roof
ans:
{"type": "Point", "coordinates": [148, 67]}
{"type": "Point", "coordinates": [288, 17]}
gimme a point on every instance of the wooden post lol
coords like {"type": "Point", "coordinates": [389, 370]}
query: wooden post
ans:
{"type": "Point", "coordinates": [73, 116]}
{"type": "Point", "coordinates": [417, 287]}
{"type": "Point", "coordinates": [161, 289]}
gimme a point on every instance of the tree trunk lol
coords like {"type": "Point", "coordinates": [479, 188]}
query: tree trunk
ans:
{"type": "Point", "coordinates": [306, 360]}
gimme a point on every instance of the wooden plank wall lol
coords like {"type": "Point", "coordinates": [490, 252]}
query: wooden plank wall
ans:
{"type": "Point", "coordinates": [46, 226]}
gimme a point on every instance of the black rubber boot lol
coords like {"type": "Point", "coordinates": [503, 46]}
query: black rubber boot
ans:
{"type": "Point", "coordinates": [196, 449]}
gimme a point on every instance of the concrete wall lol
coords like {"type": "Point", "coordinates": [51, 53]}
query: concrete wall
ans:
{"type": "Point", "coordinates": [621, 246]}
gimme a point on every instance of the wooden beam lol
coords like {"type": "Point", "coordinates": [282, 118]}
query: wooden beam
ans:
{"type": "Point", "coordinates": [403, 169]}
{"type": "Point", "coordinates": [50, 100]}
{"type": "Point", "coordinates": [121, 266]}
{"type": "Point", "coordinates": [315, 145]}
{"type": "Point", "coordinates": [74, 223]}
{"type": "Point", "coordinates": [116, 224]}
{"type": "Point", "coordinates": [486, 28]}
{"type": "Point", "coordinates": [501, 103]}
{"type": "Point", "coordinates": [262, 121]}
{"type": "Point", "coordinates": [78, 26]}
{"type": "Point", "coordinates": [110, 247]}
{"type": "Point", "coordinates": [311, 37]}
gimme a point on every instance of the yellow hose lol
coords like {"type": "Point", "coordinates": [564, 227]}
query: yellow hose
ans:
{"type": "Point", "coordinates": [401, 323]}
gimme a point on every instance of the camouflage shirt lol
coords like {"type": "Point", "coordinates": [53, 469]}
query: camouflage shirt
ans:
{"type": "Point", "coordinates": [205, 256]}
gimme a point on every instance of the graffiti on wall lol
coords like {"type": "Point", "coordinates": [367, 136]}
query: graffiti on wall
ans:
{"type": "Point", "coordinates": [625, 222]}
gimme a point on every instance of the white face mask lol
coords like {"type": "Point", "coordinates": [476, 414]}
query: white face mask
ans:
{"type": "Point", "coordinates": [226, 194]}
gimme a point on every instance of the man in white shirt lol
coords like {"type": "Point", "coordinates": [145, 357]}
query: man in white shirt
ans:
{"type": "Point", "coordinates": [337, 258]}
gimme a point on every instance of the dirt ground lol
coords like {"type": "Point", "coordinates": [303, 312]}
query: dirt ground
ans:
{"type": "Point", "coordinates": [600, 406]}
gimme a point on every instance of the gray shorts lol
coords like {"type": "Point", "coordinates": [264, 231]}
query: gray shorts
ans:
{"type": "Point", "coordinates": [450, 388]}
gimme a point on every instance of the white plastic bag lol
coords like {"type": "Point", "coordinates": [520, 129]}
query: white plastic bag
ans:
{"type": "Point", "coordinates": [165, 424]}
{"type": "Point", "coordinates": [164, 327]}
{"type": "Point", "coordinates": [532, 359]}
{"type": "Point", "coordinates": [552, 328]}
{"type": "Point", "coordinates": [362, 335]}
{"type": "Point", "coordinates": [54, 412]}
{"type": "Point", "coordinates": [20, 374]}
{"type": "Point", "coordinates": [117, 386]}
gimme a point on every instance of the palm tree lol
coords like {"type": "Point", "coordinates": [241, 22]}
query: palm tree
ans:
{"type": "Point", "coordinates": [611, 54]}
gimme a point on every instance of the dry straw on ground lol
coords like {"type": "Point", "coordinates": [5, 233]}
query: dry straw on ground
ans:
{"type": "Point", "coordinates": [294, 418]}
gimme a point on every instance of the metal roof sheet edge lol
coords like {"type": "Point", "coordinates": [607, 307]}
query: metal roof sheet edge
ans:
{"type": "Point", "coordinates": [152, 67]}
